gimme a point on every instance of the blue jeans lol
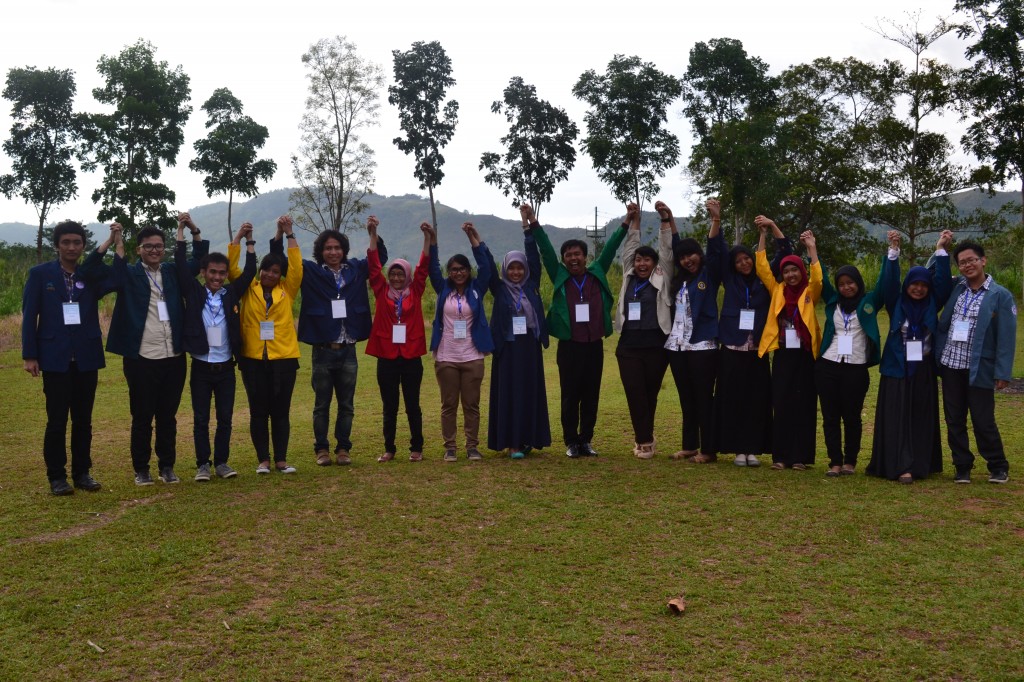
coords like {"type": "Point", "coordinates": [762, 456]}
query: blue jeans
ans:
{"type": "Point", "coordinates": [334, 374]}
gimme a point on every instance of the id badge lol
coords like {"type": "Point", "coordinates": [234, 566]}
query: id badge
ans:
{"type": "Point", "coordinates": [961, 330]}
{"type": "Point", "coordinates": [915, 351]}
{"type": "Point", "coordinates": [845, 345]}
{"type": "Point", "coordinates": [267, 330]}
{"type": "Point", "coordinates": [519, 324]}
{"type": "Point", "coordinates": [792, 338]}
{"type": "Point", "coordinates": [583, 312]}
{"type": "Point", "coordinates": [338, 310]}
{"type": "Point", "coordinates": [461, 329]}
{"type": "Point", "coordinates": [214, 337]}
{"type": "Point", "coordinates": [72, 315]}
{"type": "Point", "coordinates": [398, 333]}
{"type": "Point", "coordinates": [747, 319]}
{"type": "Point", "coordinates": [161, 311]}
{"type": "Point", "coordinates": [634, 311]}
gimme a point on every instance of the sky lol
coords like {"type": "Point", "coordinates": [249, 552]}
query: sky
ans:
{"type": "Point", "coordinates": [255, 48]}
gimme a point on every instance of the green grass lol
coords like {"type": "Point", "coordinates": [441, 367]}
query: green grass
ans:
{"type": "Point", "coordinates": [545, 568]}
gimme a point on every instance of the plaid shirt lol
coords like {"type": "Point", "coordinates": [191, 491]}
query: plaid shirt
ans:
{"type": "Point", "coordinates": [957, 354]}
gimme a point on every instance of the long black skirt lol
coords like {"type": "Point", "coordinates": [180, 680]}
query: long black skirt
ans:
{"type": "Point", "coordinates": [795, 406]}
{"type": "Point", "coordinates": [743, 403]}
{"type": "Point", "coordinates": [518, 413]}
{"type": "Point", "coordinates": [907, 436]}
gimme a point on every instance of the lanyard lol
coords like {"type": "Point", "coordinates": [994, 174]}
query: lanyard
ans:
{"type": "Point", "coordinates": [846, 320]}
{"type": "Point", "coordinates": [519, 301]}
{"type": "Point", "coordinates": [215, 312]}
{"type": "Point", "coordinates": [748, 296]}
{"type": "Point", "coordinates": [398, 307]}
{"type": "Point", "coordinates": [638, 289]}
{"type": "Point", "coordinates": [69, 284]}
{"type": "Point", "coordinates": [969, 300]}
{"type": "Point", "coordinates": [913, 329]}
{"type": "Point", "coordinates": [339, 279]}
{"type": "Point", "coordinates": [155, 284]}
{"type": "Point", "coordinates": [458, 302]}
{"type": "Point", "coordinates": [580, 285]}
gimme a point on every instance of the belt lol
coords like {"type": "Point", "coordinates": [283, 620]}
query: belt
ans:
{"type": "Point", "coordinates": [226, 366]}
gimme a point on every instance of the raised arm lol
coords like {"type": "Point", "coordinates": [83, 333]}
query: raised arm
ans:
{"type": "Point", "coordinates": [484, 260]}
{"type": "Point", "coordinates": [547, 251]}
{"type": "Point", "coordinates": [293, 282]}
{"type": "Point", "coordinates": [942, 277]}
{"type": "Point", "coordinates": [532, 256]}
{"type": "Point", "coordinates": [717, 254]}
{"type": "Point", "coordinates": [817, 271]}
{"type": "Point", "coordinates": [436, 278]}
{"type": "Point", "coordinates": [632, 225]}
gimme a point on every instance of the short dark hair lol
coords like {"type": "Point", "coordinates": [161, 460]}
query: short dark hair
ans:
{"type": "Point", "coordinates": [68, 227]}
{"type": "Point", "coordinates": [149, 231]}
{"type": "Point", "coordinates": [272, 259]}
{"type": "Point", "coordinates": [570, 243]}
{"type": "Point", "coordinates": [968, 246]}
{"type": "Point", "coordinates": [214, 257]}
{"type": "Point", "coordinates": [647, 252]}
{"type": "Point", "coordinates": [321, 240]}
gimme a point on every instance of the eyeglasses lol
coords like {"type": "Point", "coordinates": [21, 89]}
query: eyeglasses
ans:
{"type": "Point", "coordinates": [152, 247]}
{"type": "Point", "coordinates": [968, 261]}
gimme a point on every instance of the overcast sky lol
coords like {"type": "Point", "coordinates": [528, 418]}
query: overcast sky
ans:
{"type": "Point", "coordinates": [254, 49]}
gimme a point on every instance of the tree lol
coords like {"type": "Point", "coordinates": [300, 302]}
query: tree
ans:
{"type": "Point", "coordinates": [333, 168]}
{"type": "Point", "coordinates": [145, 130]}
{"type": "Point", "coordinates": [422, 78]}
{"type": "Point", "coordinates": [228, 153]}
{"type": "Point", "coordinates": [42, 141]}
{"type": "Point", "coordinates": [539, 147]}
{"type": "Point", "coordinates": [627, 141]}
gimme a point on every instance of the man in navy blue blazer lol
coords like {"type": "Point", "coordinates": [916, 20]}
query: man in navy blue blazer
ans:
{"type": "Point", "coordinates": [61, 337]}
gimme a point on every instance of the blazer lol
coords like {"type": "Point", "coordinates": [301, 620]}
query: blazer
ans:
{"type": "Point", "coordinates": [770, 336]}
{"type": "Point", "coordinates": [661, 278]}
{"type": "Point", "coordinates": [894, 355]}
{"type": "Point", "coordinates": [476, 289]}
{"type": "Point", "coordinates": [737, 295]}
{"type": "Point", "coordinates": [504, 307]}
{"type": "Point", "coordinates": [558, 314]}
{"type": "Point", "coordinates": [703, 293]}
{"type": "Point", "coordinates": [995, 336]}
{"type": "Point", "coordinates": [193, 335]}
{"type": "Point", "coordinates": [253, 310]}
{"type": "Point", "coordinates": [867, 310]}
{"type": "Point", "coordinates": [44, 336]}
{"type": "Point", "coordinates": [386, 317]}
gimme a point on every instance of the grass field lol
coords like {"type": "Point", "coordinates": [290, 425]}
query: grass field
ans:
{"type": "Point", "coordinates": [545, 568]}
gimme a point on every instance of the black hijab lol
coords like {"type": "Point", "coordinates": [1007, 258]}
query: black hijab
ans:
{"type": "Point", "coordinates": [848, 305]}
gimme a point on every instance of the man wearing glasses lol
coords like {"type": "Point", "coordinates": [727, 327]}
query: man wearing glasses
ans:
{"type": "Point", "coordinates": [975, 344]}
{"type": "Point", "coordinates": [145, 330]}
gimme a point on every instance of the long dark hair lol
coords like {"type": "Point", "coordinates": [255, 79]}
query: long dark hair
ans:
{"type": "Point", "coordinates": [680, 276]}
{"type": "Point", "coordinates": [318, 245]}
{"type": "Point", "coordinates": [461, 260]}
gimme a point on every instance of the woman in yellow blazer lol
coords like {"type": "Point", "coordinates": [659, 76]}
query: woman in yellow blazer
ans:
{"type": "Point", "coordinates": [792, 331]}
{"type": "Point", "coordinates": [270, 349]}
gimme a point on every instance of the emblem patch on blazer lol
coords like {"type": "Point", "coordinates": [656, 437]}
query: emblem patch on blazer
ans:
{"type": "Point", "coordinates": [702, 286]}
{"type": "Point", "coordinates": [869, 309]}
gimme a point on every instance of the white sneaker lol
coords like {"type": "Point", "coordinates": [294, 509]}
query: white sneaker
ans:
{"type": "Point", "coordinates": [753, 461]}
{"type": "Point", "coordinates": [740, 460]}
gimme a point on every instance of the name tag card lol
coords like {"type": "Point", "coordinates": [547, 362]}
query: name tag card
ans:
{"type": "Point", "coordinates": [338, 310]}
{"type": "Point", "coordinates": [845, 345]}
{"type": "Point", "coordinates": [746, 319]}
{"type": "Point", "coordinates": [519, 324]}
{"type": "Point", "coordinates": [792, 338]}
{"type": "Point", "coordinates": [583, 312]}
{"type": "Point", "coordinates": [915, 351]}
{"type": "Point", "coordinates": [461, 329]}
{"type": "Point", "coordinates": [161, 311]}
{"type": "Point", "coordinates": [961, 330]}
{"type": "Point", "coordinates": [267, 330]}
{"type": "Point", "coordinates": [214, 337]}
{"type": "Point", "coordinates": [398, 333]}
{"type": "Point", "coordinates": [72, 315]}
{"type": "Point", "coordinates": [634, 310]}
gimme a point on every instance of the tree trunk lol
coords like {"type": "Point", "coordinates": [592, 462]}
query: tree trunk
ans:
{"type": "Point", "coordinates": [433, 211]}
{"type": "Point", "coordinates": [231, 196]}
{"type": "Point", "coordinates": [39, 239]}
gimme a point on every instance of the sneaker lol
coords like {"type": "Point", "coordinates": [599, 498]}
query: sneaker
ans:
{"type": "Point", "coordinates": [386, 457]}
{"type": "Point", "coordinates": [415, 456]}
{"type": "Point", "coordinates": [753, 461]}
{"type": "Point", "coordinates": [203, 473]}
{"type": "Point", "coordinates": [999, 477]}
{"type": "Point", "coordinates": [60, 487]}
{"type": "Point", "coordinates": [517, 454]}
{"type": "Point", "coordinates": [587, 450]}
{"type": "Point", "coordinates": [962, 477]}
{"type": "Point", "coordinates": [285, 469]}
{"type": "Point", "coordinates": [224, 471]}
{"type": "Point", "coordinates": [449, 456]}
{"type": "Point", "coordinates": [143, 478]}
{"type": "Point", "coordinates": [87, 482]}
{"type": "Point", "coordinates": [323, 458]}
{"type": "Point", "coordinates": [263, 468]}
{"type": "Point", "coordinates": [474, 455]}
{"type": "Point", "coordinates": [167, 475]}
{"type": "Point", "coordinates": [740, 460]}
{"type": "Point", "coordinates": [573, 451]}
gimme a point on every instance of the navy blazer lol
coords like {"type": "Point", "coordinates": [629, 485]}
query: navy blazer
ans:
{"type": "Point", "coordinates": [193, 335]}
{"type": "Point", "coordinates": [894, 354]}
{"type": "Point", "coordinates": [476, 289]}
{"type": "Point", "coordinates": [504, 307]}
{"type": "Point", "coordinates": [44, 336]}
{"type": "Point", "coordinates": [703, 293]}
{"type": "Point", "coordinates": [738, 294]}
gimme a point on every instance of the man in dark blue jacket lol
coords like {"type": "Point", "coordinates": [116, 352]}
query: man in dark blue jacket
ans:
{"type": "Point", "coordinates": [61, 337]}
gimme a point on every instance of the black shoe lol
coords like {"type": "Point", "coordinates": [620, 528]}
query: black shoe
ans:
{"type": "Point", "coordinates": [574, 452]}
{"type": "Point", "coordinates": [587, 450]}
{"type": "Point", "coordinates": [87, 482]}
{"type": "Point", "coordinates": [962, 477]}
{"type": "Point", "coordinates": [999, 477]}
{"type": "Point", "coordinates": [60, 487]}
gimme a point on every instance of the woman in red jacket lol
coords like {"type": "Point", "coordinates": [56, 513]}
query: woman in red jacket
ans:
{"type": "Point", "coordinates": [398, 341]}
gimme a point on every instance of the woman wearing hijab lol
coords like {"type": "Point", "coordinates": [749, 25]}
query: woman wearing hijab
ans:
{"type": "Point", "coordinates": [792, 331]}
{"type": "Point", "coordinates": [907, 444]}
{"type": "Point", "coordinates": [643, 318]}
{"type": "Point", "coordinates": [692, 343]}
{"type": "Point", "coordinates": [398, 340]}
{"type": "Point", "coordinates": [518, 416]}
{"type": "Point", "coordinates": [849, 346]}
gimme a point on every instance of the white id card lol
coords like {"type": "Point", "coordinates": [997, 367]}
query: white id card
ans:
{"type": "Point", "coordinates": [215, 337]}
{"type": "Point", "coordinates": [845, 345]}
{"type": "Point", "coordinates": [915, 351]}
{"type": "Point", "coordinates": [634, 310]}
{"type": "Point", "coordinates": [961, 330]}
{"type": "Point", "coordinates": [746, 319]}
{"type": "Point", "coordinates": [461, 329]}
{"type": "Point", "coordinates": [267, 330]}
{"type": "Point", "coordinates": [519, 324]}
{"type": "Point", "coordinates": [71, 314]}
{"type": "Point", "coordinates": [398, 333]}
{"type": "Point", "coordinates": [792, 338]}
{"type": "Point", "coordinates": [338, 310]}
{"type": "Point", "coordinates": [161, 311]}
{"type": "Point", "coordinates": [583, 312]}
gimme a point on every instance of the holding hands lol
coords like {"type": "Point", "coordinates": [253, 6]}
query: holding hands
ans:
{"type": "Point", "coordinates": [527, 215]}
{"type": "Point", "coordinates": [764, 223]}
{"type": "Point", "coordinates": [945, 240]}
{"type": "Point", "coordinates": [284, 227]}
{"type": "Point", "coordinates": [474, 236]}
{"type": "Point", "coordinates": [244, 232]}
{"type": "Point", "coordinates": [714, 208]}
{"type": "Point", "coordinates": [185, 220]}
{"type": "Point", "coordinates": [894, 239]}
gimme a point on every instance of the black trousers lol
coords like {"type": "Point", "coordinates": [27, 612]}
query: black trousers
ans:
{"type": "Point", "coordinates": [269, 385]}
{"type": "Point", "coordinates": [154, 393]}
{"type": "Point", "coordinates": [841, 389]}
{"type": "Point", "coordinates": [694, 372]}
{"type": "Point", "coordinates": [959, 397]}
{"type": "Point", "coordinates": [405, 374]}
{"type": "Point", "coordinates": [72, 392]}
{"type": "Point", "coordinates": [216, 381]}
{"type": "Point", "coordinates": [580, 366]}
{"type": "Point", "coordinates": [641, 371]}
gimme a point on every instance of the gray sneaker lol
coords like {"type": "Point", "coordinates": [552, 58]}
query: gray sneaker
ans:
{"type": "Point", "coordinates": [449, 456]}
{"type": "Point", "coordinates": [224, 471]}
{"type": "Point", "coordinates": [202, 474]}
{"type": "Point", "coordinates": [167, 475]}
{"type": "Point", "coordinates": [474, 455]}
{"type": "Point", "coordinates": [143, 478]}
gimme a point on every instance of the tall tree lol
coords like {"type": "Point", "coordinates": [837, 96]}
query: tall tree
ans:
{"type": "Point", "coordinates": [627, 140]}
{"type": "Point", "coordinates": [423, 75]}
{"type": "Point", "coordinates": [42, 141]}
{"type": "Point", "coordinates": [539, 151]}
{"type": "Point", "coordinates": [144, 131]}
{"type": "Point", "coordinates": [335, 171]}
{"type": "Point", "coordinates": [228, 152]}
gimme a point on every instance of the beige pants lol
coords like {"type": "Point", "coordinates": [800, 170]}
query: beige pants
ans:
{"type": "Point", "coordinates": [460, 380]}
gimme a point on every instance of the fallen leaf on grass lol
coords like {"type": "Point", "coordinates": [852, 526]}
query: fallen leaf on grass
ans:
{"type": "Point", "coordinates": [95, 646]}
{"type": "Point", "coordinates": [677, 605]}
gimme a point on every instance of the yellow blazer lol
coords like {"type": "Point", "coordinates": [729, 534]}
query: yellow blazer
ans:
{"type": "Point", "coordinates": [254, 310]}
{"type": "Point", "coordinates": [770, 336]}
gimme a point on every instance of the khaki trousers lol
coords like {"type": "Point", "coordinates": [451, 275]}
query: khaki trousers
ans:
{"type": "Point", "coordinates": [460, 381]}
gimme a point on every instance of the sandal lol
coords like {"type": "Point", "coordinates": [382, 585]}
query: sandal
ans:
{"type": "Point", "coordinates": [323, 458]}
{"type": "Point", "coordinates": [906, 479]}
{"type": "Point", "coordinates": [644, 450]}
{"type": "Point", "coordinates": [415, 456]}
{"type": "Point", "coordinates": [778, 466]}
{"type": "Point", "coordinates": [704, 458]}
{"type": "Point", "coordinates": [848, 470]}
{"type": "Point", "coordinates": [799, 467]}
{"type": "Point", "coordinates": [833, 472]}
{"type": "Point", "coordinates": [683, 454]}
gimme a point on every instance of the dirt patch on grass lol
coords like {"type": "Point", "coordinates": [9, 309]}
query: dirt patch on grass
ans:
{"type": "Point", "coordinates": [94, 522]}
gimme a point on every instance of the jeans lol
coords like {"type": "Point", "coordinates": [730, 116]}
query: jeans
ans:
{"type": "Point", "coordinates": [154, 393]}
{"type": "Point", "coordinates": [407, 374]}
{"type": "Point", "coordinates": [269, 385]}
{"type": "Point", "coordinates": [216, 380]}
{"type": "Point", "coordinates": [334, 374]}
{"type": "Point", "coordinates": [67, 392]}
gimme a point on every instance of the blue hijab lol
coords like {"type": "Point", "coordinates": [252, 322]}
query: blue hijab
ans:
{"type": "Point", "coordinates": [914, 311]}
